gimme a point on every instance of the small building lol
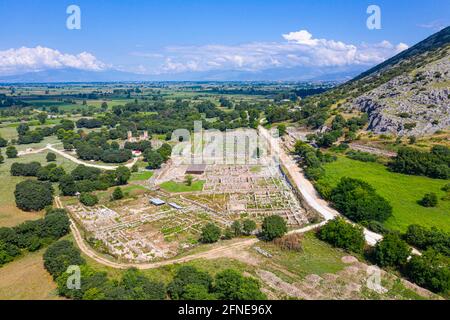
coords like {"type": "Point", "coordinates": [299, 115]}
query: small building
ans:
{"type": "Point", "coordinates": [175, 206]}
{"type": "Point", "coordinates": [136, 153]}
{"type": "Point", "coordinates": [196, 169]}
{"type": "Point", "coordinates": [157, 201]}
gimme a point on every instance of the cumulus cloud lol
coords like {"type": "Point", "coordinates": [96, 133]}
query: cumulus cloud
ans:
{"type": "Point", "coordinates": [21, 60]}
{"type": "Point", "coordinates": [300, 49]}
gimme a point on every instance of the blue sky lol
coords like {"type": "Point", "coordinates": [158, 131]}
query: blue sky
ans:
{"type": "Point", "coordinates": [155, 37]}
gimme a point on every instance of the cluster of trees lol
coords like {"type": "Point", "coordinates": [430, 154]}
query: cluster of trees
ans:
{"type": "Point", "coordinates": [311, 160]}
{"type": "Point", "coordinates": [32, 195]}
{"type": "Point", "coordinates": [434, 164]}
{"type": "Point", "coordinates": [358, 200]}
{"type": "Point", "coordinates": [343, 235]}
{"type": "Point", "coordinates": [88, 179]}
{"type": "Point", "coordinates": [50, 172]}
{"type": "Point", "coordinates": [90, 151]}
{"type": "Point", "coordinates": [27, 136]}
{"type": "Point", "coordinates": [89, 123]}
{"type": "Point", "coordinates": [155, 158]}
{"type": "Point", "coordinates": [188, 283]}
{"type": "Point", "coordinates": [32, 235]}
{"type": "Point", "coordinates": [272, 227]}
{"type": "Point", "coordinates": [362, 156]}
{"type": "Point", "coordinates": [430, 270]}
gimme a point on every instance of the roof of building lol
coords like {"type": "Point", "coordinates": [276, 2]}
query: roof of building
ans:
{"type": "Point", "coordinates": [157, 201]}
{"type": "Point", "coordinates": [196, 168]}
{"type": "Point", "coordinates": [176, 206]}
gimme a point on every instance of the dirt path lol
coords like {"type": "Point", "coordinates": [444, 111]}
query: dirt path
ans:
{"type": "Point", "coordinates": [87, 164]}
{"type": "Point", "coordinates": [306, 188]}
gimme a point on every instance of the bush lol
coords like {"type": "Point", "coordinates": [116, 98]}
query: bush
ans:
{"type": "Point", "coordinates": [210, 233]}
{"type": "Point", "coordinates": [25, 169]}
{"type": "Point", "coordinates": [273, 227]}
{"type": "Point", "coordinates": [358, 201]}
{"type": "Point", "coordinates": [392, 251]}
{"type": "Point", "coordinates": [117, 194]}
{"type": "Point", "coordinates": [423, 239]}
{"type": "Point", "coordinates": [343, 235]}
{"type": "Point", "coordinates": [292, 242]}
{"type": "Point", "coordinates": [231, 285]}
{"type": "Point", "coordinates": [248, 226]}
{"type": "Point", "coordinates": [33, 195]}
{"type": "Point", "coordinates": [185, 276]}
{"type": "Point", "coordinates": [429, 200]}
{"type": "Point", "coordinates": [88, 199]}
{"type": "Point", "coordinates": [430, 271]}
{"type": "Point", "coordinates": [51, 157]}
{"type": "Point", "coordinates": [362, 156]}
{"type": "Point", "coordinates": [11, 152]}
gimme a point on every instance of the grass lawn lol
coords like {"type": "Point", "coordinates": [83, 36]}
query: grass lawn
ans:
{"type": "Point", "coordinates": [26, 279]}
{"type": "Point", "coordinates": [317, 257]}
{"type": "Point", "coordinates": [141, 176]}
{"type": "Point", "coordinates": [402, 191]}
{"type": "Point", "coordinates": [172, 186]}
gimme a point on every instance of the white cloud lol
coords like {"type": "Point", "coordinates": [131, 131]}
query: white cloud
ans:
{"type": "Point", "coordinates": [25, 59]}
{"type": "Point", "coordinates": [300, 49]}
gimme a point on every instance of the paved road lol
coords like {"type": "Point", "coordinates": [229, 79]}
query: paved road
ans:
{"type": "Point", "coordinates": [87, 164]}
{"type": "Point", "coordinates": [306, 188]}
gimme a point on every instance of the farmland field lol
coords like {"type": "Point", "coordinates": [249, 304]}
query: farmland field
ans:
{"type": "Point", "coordinates": [402, 191]}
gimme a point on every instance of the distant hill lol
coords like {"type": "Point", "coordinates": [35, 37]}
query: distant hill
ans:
{"type": "Point", "coordinates": [408, 94]}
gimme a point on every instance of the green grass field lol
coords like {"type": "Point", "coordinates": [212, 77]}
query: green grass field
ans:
{"type": "Point", "coordinates": [171, 186]}
{"type": "Point", "coordinates": [402, 191]}
{"type": "Point", "coordinates": [141, 176]}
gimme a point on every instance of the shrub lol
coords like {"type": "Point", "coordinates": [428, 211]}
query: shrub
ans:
{"type": "Point", "coordinates": [362, 156]}
{"type": "Point", "coordinates": [59, 256]}
{"type": "Point", "coordinates": [231, 285]}
{"type": "Point", "coordinates": [210, 233]}
{"type": "Point", "coordinates": [88, 199]}
{"type": "Point", "coordinates": [343, 235]}
{"type": "Point", "coordinates": [430, 271]}
{"type": "Point", "coordinates": [25, 169]}
{"type": "Point", "coordinates": [292, 242]}
{"type": "Point", "coordinates": [236, 228]}
{"type": "Point", "coordinates": [11, 152]}
{"type": "Point", "coordinates": [117, 194]}
{"type": "Point", "coordinates": [248, 226]}
{"type": "Point", "coordinates": [33, 195]}
{"type": "Point", "coordinates": [429, 200]}
{"type": "Point", "coordinates": [423, 239]}
{"type": "Point", "coordinates": [273, 227]}
{"type": "Point", "coordinates": [392, 251]}
{"type": "Point", "coordinates": [187, 275]}
{"type": "Point", "coordinates": [50, 157]}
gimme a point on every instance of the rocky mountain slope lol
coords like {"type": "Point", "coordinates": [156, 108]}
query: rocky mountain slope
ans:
{"type": "Point", "coordinates": [408, 94]}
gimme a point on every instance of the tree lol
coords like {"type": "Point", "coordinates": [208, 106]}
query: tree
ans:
{"type": "Point", "coordinates": [135, 168]}
{"type": "Point", "coordinates": [231, 285]}
{"type": "Point", "coordinates": [117, 194]}
{"type": "Point", "coordinates": [11, 152]}
{"type": "Point", "coordinates": [429, 200]}
{"type": "Point", "coordinates": [165, 151]}
{"type": "Point", "coordinates": [196, 292]}
{"type": "Point", "coordinates": [122, 174]}
{"type": "Point", "coordinates": [3, 142]}
{"type": "Point", "coordinates": [273, 227]}
{"type": "Point", "coordinates": [67, 185]}
{"type": "Point", "coordinates": [33, 195]}
{"type": "Point", "coordinates": [281, 129]}
{"type": "Point", "coordinates": [210, 233]}
{"type": "Point", "coordinates": [343, 235]}
{"type": "Point", "coordinates": [185, 276]}
{"type": "Point", "coordinates": [154, 159]}
{"type": "Point", "coordinates": [22, 129]}
{"type": "Point", "coordinates": [88, 199]}
{"type": "Point", "coordinates": [430, 270]}
{"type": "Point", "coordinates": [248, 226]}
{"type": "Point", "coordinates": [2, 159]}
{"type": "Point", "coordinates": [51, 157]}
{"type": "Point", "coordinates": [189, 180]}
{"type": "Point", "coordinates": [236, 228]}
{"type": "Point", "coordinates": [42, 117]}
{"type": "Point", "coordinates": [392, 251]}
{"type": "Point", "coordinates": [59, 256]}
{"type": "Point", "coordinates": [358, 201]}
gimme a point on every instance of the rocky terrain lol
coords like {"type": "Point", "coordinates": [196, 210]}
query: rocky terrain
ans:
{"type": "Point", "coordinates": [410, 93]}
{"type": "Point", "coordinates": [416, 103]}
